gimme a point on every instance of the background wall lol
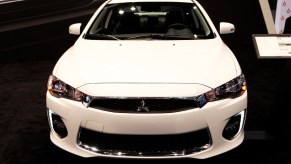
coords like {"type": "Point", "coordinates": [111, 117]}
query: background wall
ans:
{"type": "Point", "coordinates": [246, 15]}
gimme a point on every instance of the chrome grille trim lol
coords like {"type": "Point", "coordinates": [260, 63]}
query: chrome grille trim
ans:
{"type": "Point", "coordinates": [149, 104]}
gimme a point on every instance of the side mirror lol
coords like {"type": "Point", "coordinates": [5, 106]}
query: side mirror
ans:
{"type": "Point", "coordinates": [75, 29]}
{"type": "Point", "coordinates": [226, 28]}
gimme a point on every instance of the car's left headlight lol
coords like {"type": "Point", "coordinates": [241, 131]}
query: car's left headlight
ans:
{"type": "Point", "coordinates": [232, 89]}
{"type": "Point", "coordinates": [60, 89]}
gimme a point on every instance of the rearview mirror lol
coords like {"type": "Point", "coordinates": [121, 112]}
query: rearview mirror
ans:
{"type": "Point", "coordinates": [226, 28]}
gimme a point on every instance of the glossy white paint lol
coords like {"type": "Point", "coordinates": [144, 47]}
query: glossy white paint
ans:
{"type": "Point", "coordinates": [75, 29]}
{"type": "Point", "coordinates": [226, 28]}
{"type": "Point", "coordinates": [123, 62]}
{"type": "Point", "coordinates": [214, 116]}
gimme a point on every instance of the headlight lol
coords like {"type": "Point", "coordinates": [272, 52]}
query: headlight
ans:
{"type": "Point", "coordinates": [59, 89]}
{"type": "Point", "coordinates": [232, 89]}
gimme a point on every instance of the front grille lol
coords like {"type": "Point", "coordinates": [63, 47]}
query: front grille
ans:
{"type": "Point", "coordinates": [143, 105]}
{"type": "Point", "coordinates": [145, 145]}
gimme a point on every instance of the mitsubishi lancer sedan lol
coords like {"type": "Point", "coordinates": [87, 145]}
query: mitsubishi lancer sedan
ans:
{"type": "Point", "coordinates": [148, 79]}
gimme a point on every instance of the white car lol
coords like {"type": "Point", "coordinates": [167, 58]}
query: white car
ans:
{"type": "Point", "coordinates": [148, 79]}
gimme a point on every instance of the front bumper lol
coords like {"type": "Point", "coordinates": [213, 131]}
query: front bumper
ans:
{"type": "Point", "coordinates": [213, 116]}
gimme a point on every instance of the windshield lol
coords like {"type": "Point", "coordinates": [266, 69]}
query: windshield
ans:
{"type": "Point", "coordinates": [150, 20]}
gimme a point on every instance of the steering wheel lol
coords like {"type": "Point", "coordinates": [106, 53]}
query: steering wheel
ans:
{"type": "Point", "coordinates": [177, 26]}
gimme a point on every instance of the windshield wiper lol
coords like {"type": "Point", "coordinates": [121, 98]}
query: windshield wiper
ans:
{"type": "Point", "coordinates": [101, 37]}
{"type": "Point", "coordinates": [162, 37]}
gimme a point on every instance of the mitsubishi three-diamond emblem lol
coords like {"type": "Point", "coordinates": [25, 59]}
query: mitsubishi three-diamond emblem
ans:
{"type": "Point", "coordinates": [143, 107]}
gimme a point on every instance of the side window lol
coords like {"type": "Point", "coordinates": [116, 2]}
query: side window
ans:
{"type": "Point", "coordinates": [96, 25]}
{"type": "Point", "coordinates": [203, 29]}
{"type": "Point", "coordinates": [100, 25]}
{"type": "Point", "coordinates": [111, 22]}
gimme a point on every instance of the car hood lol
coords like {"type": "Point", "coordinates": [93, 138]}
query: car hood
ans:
{"type": "Point", "coordinates": [206, 62]}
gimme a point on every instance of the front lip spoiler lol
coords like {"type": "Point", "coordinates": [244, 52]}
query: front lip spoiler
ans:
{"type": "Point", "coordinates": [173, 153]}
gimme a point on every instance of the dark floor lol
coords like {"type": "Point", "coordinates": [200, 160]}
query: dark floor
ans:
{"type": "Point", "coordinates": [24, 130]}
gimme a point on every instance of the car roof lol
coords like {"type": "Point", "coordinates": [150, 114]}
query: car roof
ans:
{"type": "Point", "coordinates": [121, 1]}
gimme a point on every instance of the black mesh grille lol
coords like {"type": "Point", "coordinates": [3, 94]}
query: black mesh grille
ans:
{"type": "Point", "coordinates": [145, 105]}
{"type": "Point", "coordinates": [148, 145]}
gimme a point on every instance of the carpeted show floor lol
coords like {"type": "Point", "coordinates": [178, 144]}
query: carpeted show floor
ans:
{"type": "Point", "coordinates": [24, 130]}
